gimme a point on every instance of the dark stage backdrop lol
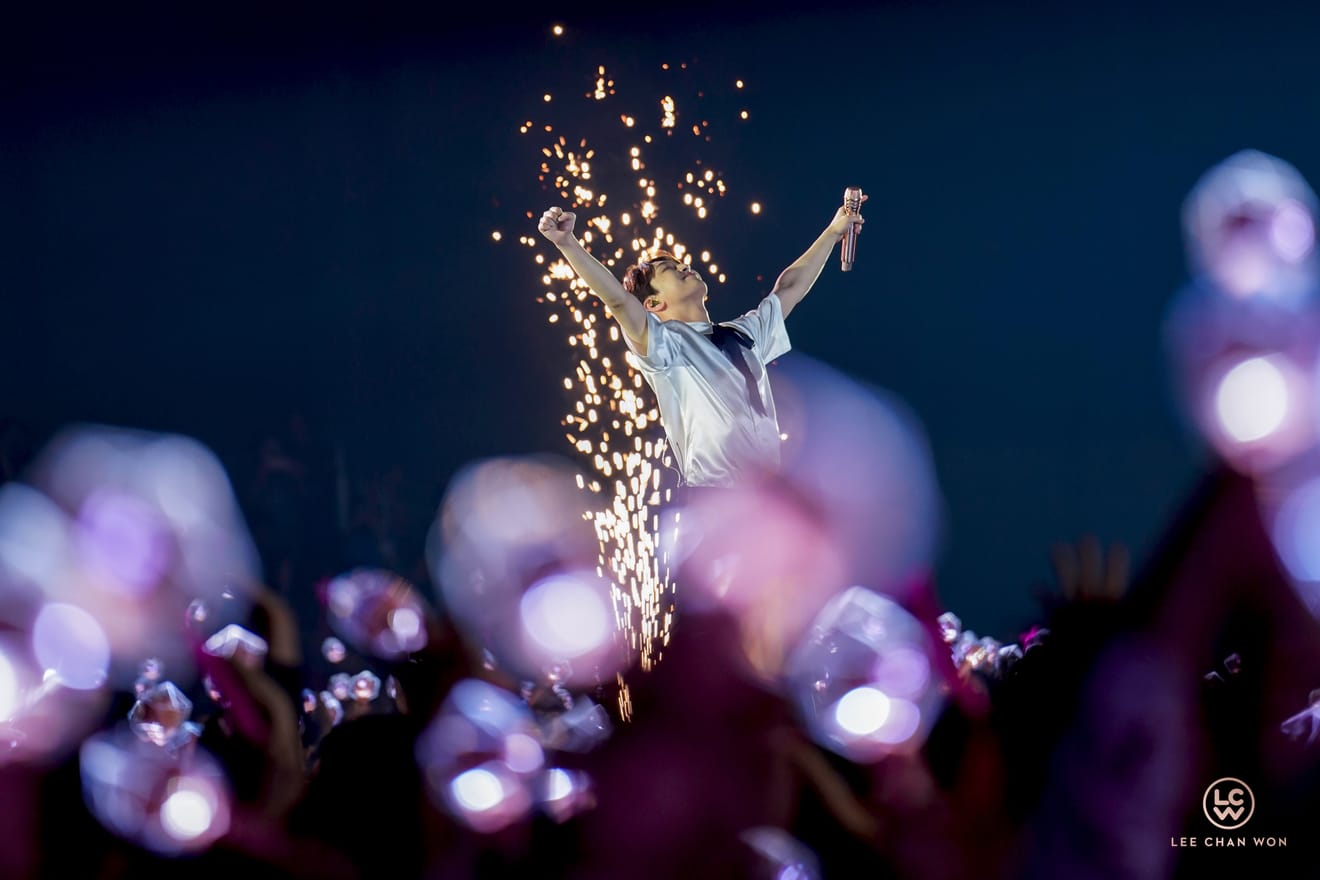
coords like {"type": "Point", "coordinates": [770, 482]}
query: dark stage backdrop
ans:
{"type": "Point", "coordinates": [212, 221]}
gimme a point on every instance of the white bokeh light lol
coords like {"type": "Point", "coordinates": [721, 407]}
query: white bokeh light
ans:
{"type": "Point", "coordinates": [1296, 528]}
{"type": "Point", "coordinates": [1252, 400]}
{"type": "Point", "coordinates": [34, 535]}
{"type": "Point", "coordinates": [167, 803]}
{"type": "Point", "coordinates": [1292, 232]}
{"type": "Point", "coordinates": [333, 650]}
{"type": "Point", "coordinates": [505, 524]}
{"type": "Point", "coordinates": [862, 711]}
{"type": "Point", "coordinates": [523, 754]}
{"type": "Point", "coordinates": [565, 615]}
{"type": "Point", "coordinates": [478, 790]}
{"type": "Point", "coordinates": [480, 754]}
{"type": "Point", "coordinates": [406, 623]}
{"type": "Point", "coordinates": [863, 681]}
{"type": "Point", "coordinates": [377, 612]}
{"type": "Point", "coordinates": [69, 642]}
{"type": "Point", "coordinates": [10, 697]}
{"type": "Point", "coordinates": [558, 784]}
{"type": "Point", "coordinates": [780, 855]}
{"type": "Point", "coordinates": [187, 813]}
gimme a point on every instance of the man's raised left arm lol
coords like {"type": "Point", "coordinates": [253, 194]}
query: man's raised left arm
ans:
{"type": "Point", "coordinates": [798, 278]}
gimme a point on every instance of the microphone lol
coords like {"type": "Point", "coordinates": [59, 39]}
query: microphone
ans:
{"type": "Point", "coordinates": [852, 203]}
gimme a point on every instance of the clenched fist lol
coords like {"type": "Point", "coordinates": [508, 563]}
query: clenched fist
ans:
{"type": "Point", "coordinates": [557, 225]}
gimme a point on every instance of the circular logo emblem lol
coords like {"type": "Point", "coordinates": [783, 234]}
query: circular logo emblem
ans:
{"type": "Point", "coordinates": [1228, 803]}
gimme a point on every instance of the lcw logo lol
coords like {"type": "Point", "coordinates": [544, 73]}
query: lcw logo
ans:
{"type": "Point", "coordinates": [1232, 808]}
{"type": "Point", "coordinates": [1228, 803]}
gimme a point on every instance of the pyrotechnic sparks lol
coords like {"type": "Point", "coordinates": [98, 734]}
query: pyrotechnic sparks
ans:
{"type": "Point", "coordinates": [613, 421]}
{"type": "Point", "coordinates": [670, 117]}
{"type": "Point", "coordinates": [604, 85]}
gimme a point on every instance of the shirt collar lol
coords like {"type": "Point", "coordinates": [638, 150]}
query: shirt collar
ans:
{"type": "Point", "coordinates": [703, 327]}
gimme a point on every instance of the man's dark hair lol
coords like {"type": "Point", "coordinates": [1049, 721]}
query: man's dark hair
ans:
{"type": "Point", "coordinates": [637, 279]}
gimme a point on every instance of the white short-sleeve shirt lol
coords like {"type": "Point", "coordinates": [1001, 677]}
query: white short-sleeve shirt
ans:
{"type": "Point", "coordinates": [717, 435]}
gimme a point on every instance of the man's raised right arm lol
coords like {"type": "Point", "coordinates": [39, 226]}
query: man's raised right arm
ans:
{"type": "Point", "coordinates": [557, 225]}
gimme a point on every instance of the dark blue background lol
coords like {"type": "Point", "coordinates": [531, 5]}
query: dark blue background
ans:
{"type": "Point", "coordinates": [213, 219]}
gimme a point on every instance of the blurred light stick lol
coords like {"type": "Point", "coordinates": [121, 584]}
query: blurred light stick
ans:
{"type": "Point", "coordinates": [852, 203]}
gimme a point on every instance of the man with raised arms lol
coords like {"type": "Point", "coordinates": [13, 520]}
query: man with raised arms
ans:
{"type": "Point", "coordinates": [709, 379]}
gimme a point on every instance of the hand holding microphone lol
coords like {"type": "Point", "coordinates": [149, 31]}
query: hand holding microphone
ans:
{"type": "Point", "coordinates": [850, 213]}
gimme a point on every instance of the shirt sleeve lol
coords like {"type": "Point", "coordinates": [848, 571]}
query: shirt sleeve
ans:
{"type": "Point", "coordinates": [660, 348]}
{"type": "Point", "coordinates": [765, 324]}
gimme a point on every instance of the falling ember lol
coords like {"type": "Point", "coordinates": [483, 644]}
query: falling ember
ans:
{"type": "Point", "coordinates": [670, 115]}
{"type": "Point", "coordinates": [756, 207]}
{"type": "Point", "coordinates": [602, 86]}
{"type": "Point", "coordinates": [557, 30]}
{"type": "Point", "coordinates": [496, 235]}
{"type": "Point", "coordinates": [625, 698]}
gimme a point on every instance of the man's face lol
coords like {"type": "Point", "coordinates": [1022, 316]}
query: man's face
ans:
{"type": "Point", "coordinates": [674, 282]}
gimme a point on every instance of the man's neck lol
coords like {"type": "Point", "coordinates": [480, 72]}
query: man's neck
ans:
{"type": "Point", "coordinates": [690, 316]}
